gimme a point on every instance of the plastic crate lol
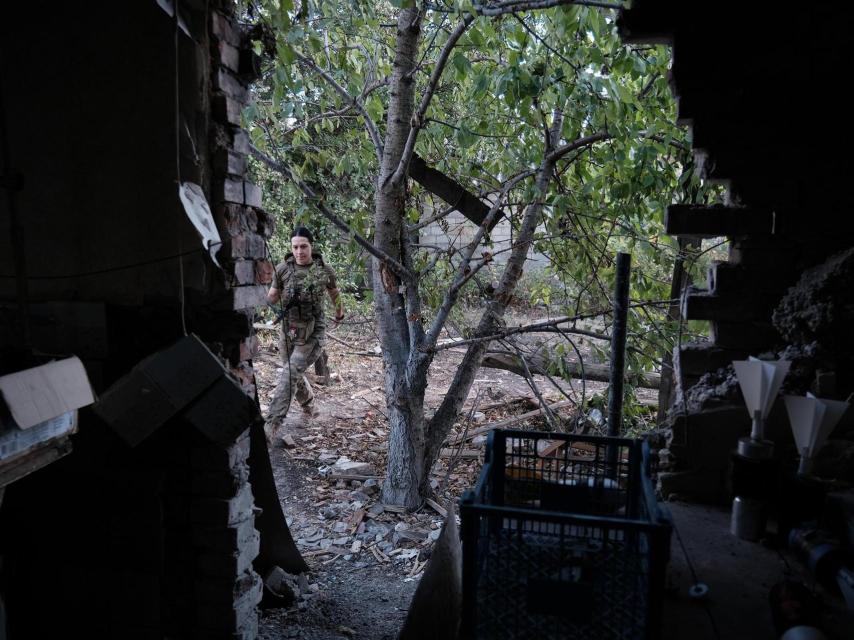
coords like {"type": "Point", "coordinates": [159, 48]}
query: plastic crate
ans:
{"type": "Point", "coordinates": [563, 538]}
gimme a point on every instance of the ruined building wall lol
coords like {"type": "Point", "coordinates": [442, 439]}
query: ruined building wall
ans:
{"type": "Point", "coordinates": [159, 539]}
{"type": "Point", "coordinates": [752, 90]}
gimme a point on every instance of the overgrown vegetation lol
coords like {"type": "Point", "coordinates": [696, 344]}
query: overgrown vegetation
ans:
{"type": "Point", "coordinates": [545, 115]}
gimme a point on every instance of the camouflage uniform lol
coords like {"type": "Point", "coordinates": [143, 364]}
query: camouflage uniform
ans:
{"type": "Point", "coordinates": [303, 331]}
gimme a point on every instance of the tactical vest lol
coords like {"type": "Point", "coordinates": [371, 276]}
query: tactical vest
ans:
{"type": "Point", "coordinates": [310, 282]}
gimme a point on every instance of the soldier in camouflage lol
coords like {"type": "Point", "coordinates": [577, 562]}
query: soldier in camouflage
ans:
{"type": "Point", "coordinates": [298, 288]}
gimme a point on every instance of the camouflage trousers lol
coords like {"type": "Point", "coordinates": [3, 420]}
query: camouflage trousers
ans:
{"type": "Point", "coordinates": [298, 354]}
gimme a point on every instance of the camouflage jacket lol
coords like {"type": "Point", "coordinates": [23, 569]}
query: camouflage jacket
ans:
{"type": "Point", "coordinates": [302, 288]}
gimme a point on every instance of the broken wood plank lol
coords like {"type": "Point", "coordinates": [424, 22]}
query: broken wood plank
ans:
{"type": "Point", "coordinates": [552, 448]}
{"type": "Point", "coordinates": [394, 508]}
{"type": "Point", "coordinates": [469, 454]}
{"type": "Point", "coordinates": [531, 401]}
{"type": "Point", "coordinates": [437, 507]}
{"type": "Point", "coordinates": [288, 441]}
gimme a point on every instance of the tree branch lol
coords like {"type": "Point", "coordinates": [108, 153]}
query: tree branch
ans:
{"type": "Point", "coordinates": [370, 125]}
{"type": "Point", "coordinates": [418, 117]}
{"type": "Point", "coordinates": [511, 6]}
{"type": "Point", "coordinates": [577, 144]}
{"type": "Point", "coordinates": [451, 191]}
{"type": "Point", "coordinates": [283, 169]}
{"type": "Point", "coordinates": [462, 277]}
{"type": "Point", "coordinates": [533, 328]}
{"type": "Point", "coordinates": [440, 423]}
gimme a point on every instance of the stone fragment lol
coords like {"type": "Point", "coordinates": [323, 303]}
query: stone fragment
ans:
{"type": "Point", "coordinates": [346, 466]}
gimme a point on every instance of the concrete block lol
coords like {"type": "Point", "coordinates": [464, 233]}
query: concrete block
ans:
{"type": "Point", "coordinates": [729, 308]}
{"type": "Point", "coordinates": [710, 222]}
{"type": "Point", "coordinates": [226, 539]}
{"type": "Point", "coordinates": [224, 511]}
{"type": "Point", "coordinates": [252, 195]}
{"type": "Point", "coordinates": [706, 439]}
{"type": "Point", "coordinates": [226, 109]}
{"type": "Point", "coordinates": [696, 358]}
{"type": "Point", "coordinates": [249, 296]}
{"type": "Point", "coordinates": [224, 592]}
{"type": "Point", "coordinates": [227, 55]}
{"type": "Point", "coordinates": [266, 223]}
{"type": "Point", "coordinates": [223, 29]}
{"type": "Point", "coordinates": [751, 336]}
{"type": "Point", "coordinates": [244, 272]}
{"type": "Point", "coordinates": [240, 140]}
{"type": "Point", "coordinates": [227, 82]}
{"type": "Point", "coordinates": [231, 217]}
{"type": "Point", "coordinates": [228, 565]}
{"type": "Point", "coordinates": [245, 245]}
{"type": "Point", "coordinates": [229, 190]}
{"type": "Point", "coordinates": [219, 484]}
{"type": "Point", "coordinates": [229, 163]}
{"type": "Point", "coordinates": [725, 278]}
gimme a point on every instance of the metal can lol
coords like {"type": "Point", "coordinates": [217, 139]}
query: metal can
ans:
{"type": "Point", "coordinates": [748, 518]}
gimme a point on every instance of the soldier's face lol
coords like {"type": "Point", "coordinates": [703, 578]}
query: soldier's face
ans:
{"type": "Point", "coordinates": [301, 249]}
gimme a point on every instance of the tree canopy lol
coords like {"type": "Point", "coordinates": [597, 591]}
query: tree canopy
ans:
{"type": "Point", "coordinates": [536, 109]}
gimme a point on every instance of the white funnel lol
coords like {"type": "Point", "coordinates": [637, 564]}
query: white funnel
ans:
{"type": "Point", "coordinates": [760, 381]}
{"type": "Point", "coordinates": [812, 421]}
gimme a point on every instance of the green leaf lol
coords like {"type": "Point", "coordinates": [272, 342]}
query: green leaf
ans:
{"type": "Point", "coordinates": [465, 138]}
{"type": "Point", "coordinates": [462, 65]}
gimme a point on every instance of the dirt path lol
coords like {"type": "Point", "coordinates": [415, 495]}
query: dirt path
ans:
{"type": "Point", "coordinates": [365, 558]}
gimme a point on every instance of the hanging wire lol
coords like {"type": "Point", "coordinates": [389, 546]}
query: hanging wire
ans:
{"type": "Point", "coordinates": [122, 267]}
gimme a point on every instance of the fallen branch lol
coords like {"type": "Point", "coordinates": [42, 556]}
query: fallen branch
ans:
{"type": "Point", "coordinates": [437, 507]}
{"type": "Point", "coordinates": [509, 422]}
{"type": "Point", "coordinates": [537, 364]}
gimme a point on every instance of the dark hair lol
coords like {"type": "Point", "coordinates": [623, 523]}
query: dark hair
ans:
{"type": "Point", "coordinates": [302, 232]}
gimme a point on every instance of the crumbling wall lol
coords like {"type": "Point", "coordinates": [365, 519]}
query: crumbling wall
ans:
{"type": "Point", "coordinates": [813, 319]}
{"type": "Point", "coordinates": [159, 539]}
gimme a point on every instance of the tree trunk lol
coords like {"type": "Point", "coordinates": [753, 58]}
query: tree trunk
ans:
{"type": "Point", "coordinates": [404, 384]}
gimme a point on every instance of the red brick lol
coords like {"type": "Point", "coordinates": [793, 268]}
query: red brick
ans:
{"type": "Point", "coordinates": [266, 224]}
{"type": "Point", "coordinates": [244, 272]}
{"type": "Point", "coordinates": [229, 163]}
{"type": "Point", "coordinates": [248, 348]}
{"type": "Point", "coordinates": [263, 271]}
{"type": "Point", "coordinates": [226, 109]}
{"type": "Point", "coordinates": [246, 245]}
{"type": "Point", "coordinates": [227, 55]}
{"type": "Point", "coordinates": [223, 29]}
{"type": "Point", "coordinates": [225, 81]}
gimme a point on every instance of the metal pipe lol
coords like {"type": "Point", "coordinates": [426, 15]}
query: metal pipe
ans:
{"type": "Point", "coordinates": [618, 344]}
